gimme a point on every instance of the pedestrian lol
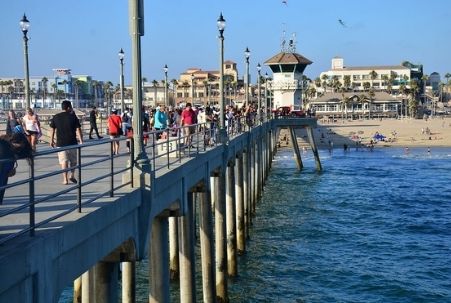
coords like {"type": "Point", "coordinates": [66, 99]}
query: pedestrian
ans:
{"type": "Point", "coordinates": [12, 148]}
{"type": "Point", "coordinates": [93, 114]}
{"type": "Point", "coordinates": [126, 119]}
{"type": "Point", "coordinates": [189, 119]}
{"type": "Point", "coordinates": [32, 127]}
{"type": "Point", "coordinates": [11, 122]}
{"type": "Point", "coordinates": [115, 129]}
{"type": "Point", "coordinates": [67, 127]}
{"type": "Point", "coordinates": [160, 120]}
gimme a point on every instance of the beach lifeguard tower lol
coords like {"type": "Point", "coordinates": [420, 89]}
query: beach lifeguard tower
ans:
{"type": "Point", "coordinates": [287, 84]}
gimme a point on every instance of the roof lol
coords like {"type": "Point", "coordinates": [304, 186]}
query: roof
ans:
{"type": "Point", "coordinates": [388, 67]}
{"type": "Point", "coordinates": [337, 97]}
{"type": "Point", "coordinates": [288, 58]}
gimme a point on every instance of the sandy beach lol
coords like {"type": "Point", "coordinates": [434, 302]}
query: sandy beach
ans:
{"type": "Point", "coordinates": [397, 132]}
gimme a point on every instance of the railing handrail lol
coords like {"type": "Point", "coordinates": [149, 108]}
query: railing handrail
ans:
{"type": "Point", "coordinates": [205, 136]}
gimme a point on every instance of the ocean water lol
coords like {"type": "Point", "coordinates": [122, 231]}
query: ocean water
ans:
{"type": "Point", "coordinates": [371, 227]}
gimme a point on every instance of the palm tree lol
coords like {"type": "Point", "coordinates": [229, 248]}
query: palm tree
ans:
{"type": "Point", "coordinates": [44, 81]}
{"type": "Point", "coordinates": [413, 102]}
{"type": "Point", "coordinates": [155, 87]}
{"type": "Point", "coordinates": [371, 94]}
{"type": "Point", "coordinates": [11, 92]}
{"type": "Point", "coordinates": [95, 85]}
{"type": "Point", "coordinates": [55, 90]}
{"type": "Point", "coordinates": [347, 82]}
{"type": "Point", "coordinates": [363, 99]}
{"type": "Point", "coordinates": [373, 76]}
{"type": "Point", "coordinates": [324, 83]}
{"type": "Point", "coordinates": [366, 86]}
{"type": "Point", "coordinates": [403, 92]}
{"type": "Point", "coordinates": [317, 82]}
{"type": "Point", "coordinates": [424, 80]}
{"type": "Point", "coordinates": [77, 84]}
{"type": "Point", "coordinates": [175, 84]}
{"type": "Point", "coordinates": [65, 82]}
{"type": "Point", "coordinates": [447, 76]}
{"type": "Point", "coordinates": [107, 93]}
{"type": "Point", "coordinates": [344, 103]}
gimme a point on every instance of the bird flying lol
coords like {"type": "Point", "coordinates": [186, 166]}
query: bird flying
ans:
{"type": "Point", "coordinates": [285, 2]}
{"type": "Point", "coordinates": [342, 23]}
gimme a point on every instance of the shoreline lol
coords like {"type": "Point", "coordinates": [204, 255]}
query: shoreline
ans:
{"type": "Point", "coordinates": [410, 133]}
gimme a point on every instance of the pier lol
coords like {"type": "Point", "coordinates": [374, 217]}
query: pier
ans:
{"type": "Point", "coordinates": [121, 211]}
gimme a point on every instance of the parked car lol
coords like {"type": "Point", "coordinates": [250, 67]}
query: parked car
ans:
{"type": "Point", "coordinates": [286, 111]}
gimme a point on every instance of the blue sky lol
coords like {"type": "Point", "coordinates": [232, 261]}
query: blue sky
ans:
{"type": "Point", "coordinates": [86, 35]}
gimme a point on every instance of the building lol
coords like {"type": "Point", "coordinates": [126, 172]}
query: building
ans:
{"type": "Point", "coordinates": [202, 87]}
{"type": "Point", "coordinates": [287, 85]}
{"type": "Point", "coordinates": [361, 78]}
{"type": "Point", "coordinates": [352, 105]}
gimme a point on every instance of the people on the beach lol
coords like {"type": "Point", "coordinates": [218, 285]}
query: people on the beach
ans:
{"type": "Point", "coordinates": [67, 128]}
{"type": "Point", "coordinates": [93, 114]}
{"type": "Point", "coordinates": [32, 127]}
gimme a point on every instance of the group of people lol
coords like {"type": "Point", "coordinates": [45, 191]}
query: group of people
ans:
{"type": "Point", "coordinates": [28, 125]}
{"type": "Point", "coordinates": [65, 130]}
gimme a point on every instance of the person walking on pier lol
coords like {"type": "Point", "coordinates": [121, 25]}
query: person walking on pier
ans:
{"type": "Point", "coordinates": [93, 122]}
{"type": "Point", "coordinates": [67, 128]}
{"type": "Point", "coordinates": [115, 129]}
{"type": "Point", "coordinates": [11, 122]}
{"type": "Point", "coordinates": [32, 127]}
{"type": "Point", "coordinates": [160, 120]}
{"type": "Point", "coordinates": [189, 118]}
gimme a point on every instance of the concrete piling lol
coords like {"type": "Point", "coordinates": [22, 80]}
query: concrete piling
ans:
{"type": "Point", "coordinates": [77, 290]}
{"type": "Point", "coordinates": [158, 263]}
{"type": "Point", "coordinates": [240, 217]}
{"type": "Point", "coordinates": [173, 249]}
{"type": "Point", "coordinates": [128, 282]}
{"type": "Point", "coordinates": [232, 268]}
{"type": "Point", "coordinates": [314, 148]}
{"type": "Point", "coordinates": [297, 152]}
{"type": "Point", "coordinates": [186, 253]}
{"type": "Point", "coordinates": [206, 247]}
{"type": "Point", "coordinates": [220, 237]}
{"type": "Point", "coordinates": [106, 285]}
{"type": "Point", "coordinates": [87, 286]}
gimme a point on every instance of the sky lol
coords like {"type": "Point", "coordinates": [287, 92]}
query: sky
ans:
{"type": "Point", "coordinates": [86, 35]}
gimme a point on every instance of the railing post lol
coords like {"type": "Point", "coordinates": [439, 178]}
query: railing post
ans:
{"type": "Point", "coordinates": [31, 201]}
{"type": "Point", "coordinates": [111, 169]}
{"type": "Point", "coordinates": [79, 179]}
{"type": "Point", "coordinates": [167, 149]}
{"type": "Point", "coordinates": [132, 161]}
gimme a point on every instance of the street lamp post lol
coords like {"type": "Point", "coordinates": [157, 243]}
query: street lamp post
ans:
{"type": "Point", "coordinates": [268, 109]}
{"type": "Point", "coordinates": [24, 25]}
{"type": "Point", "coordinates": [259, 110]}
{"type": "Point", "coordinates": [221, 25]}
{"type": "Point", "coordinates": [121, 60]}
{"type": "Point", "coordinates": [165, 69]}
{"type": "Point", "coordinates": [192, 89]}
{"type": "Point", "coordinates": [247, 54]}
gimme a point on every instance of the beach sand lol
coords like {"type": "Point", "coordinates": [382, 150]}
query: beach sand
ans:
{"type": "Point", "coordinates": [409, 133]}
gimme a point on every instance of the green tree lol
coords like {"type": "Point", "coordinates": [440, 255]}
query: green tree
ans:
{"type": "Point", "coordinates": [373, 76]}
{"type": "Point", "coordinates": [155, 89]}
{"type": "Point", "coordinates": [325, 79]}
{"type": "Point", "coordinates": [175, 84]}
{"type": "Point", "coordinates": [44, 81]}
{"type": "Point", "coordinates": [347, 82]}
{"type": "Point", "coordinates": [447, 76]}
{"type": "Point", "coordinates": [366, 86]}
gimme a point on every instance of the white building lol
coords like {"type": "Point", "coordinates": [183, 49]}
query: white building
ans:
{"type": "Point", "coordinates": [287, 84]}
{"type": "Point", "coordinates": [383, 76]}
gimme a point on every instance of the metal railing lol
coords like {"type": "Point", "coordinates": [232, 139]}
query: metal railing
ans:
{"type": "Point", "coordinates": [99, 172]}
